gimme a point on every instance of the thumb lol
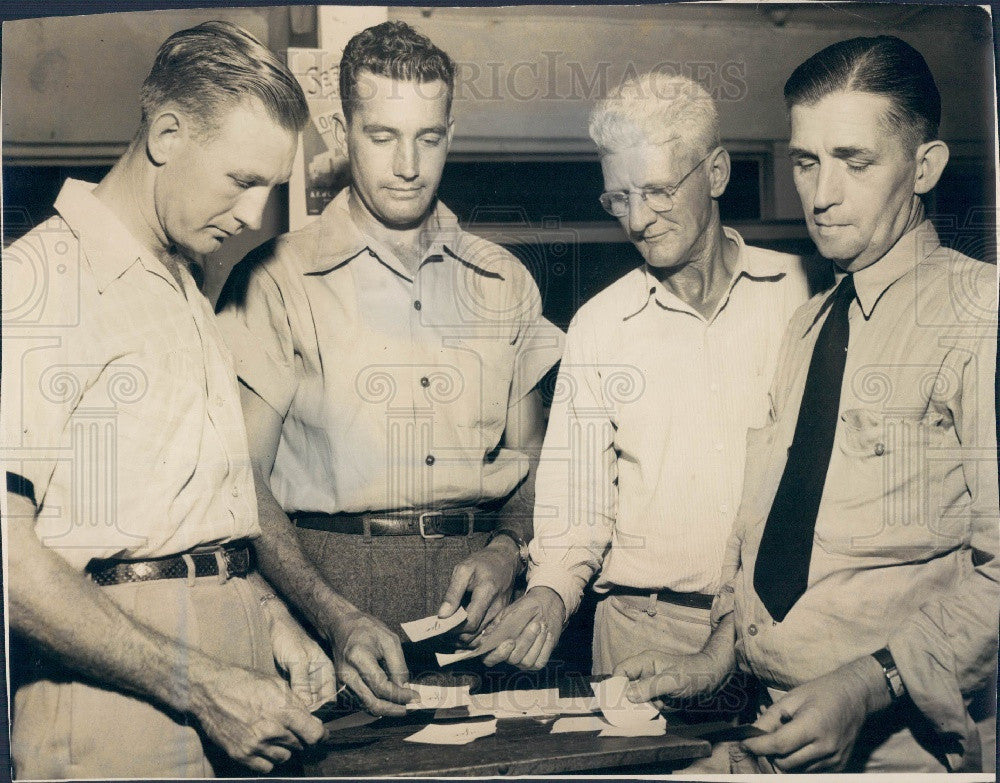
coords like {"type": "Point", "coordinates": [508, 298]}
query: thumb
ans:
{"type": "Point", "coordinates": [633, 668]}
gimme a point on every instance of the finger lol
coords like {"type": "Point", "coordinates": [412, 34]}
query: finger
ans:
{"type": "Point", "coordinates": [306, 729]}
{"type": "Point", "coordinates": [482, 597]}
{"type": "Point", "coordinates": [634, 668]}
{"type": "Point", "coordinates": [551, 640]}
{"type": "Point", "coordinates": [811, 758]}
{"type": "Point", "coordinates": [276, 754]}
{"type": "Point", "coordinates": [375, 678]}
{"type": "Point", "coordinates": [774, 717]}
{"type": "Point", "coordinates": [257, 764]}
{"type": "Point", "coordinates": [500, 653]}
{"type": "Point", "coordinates": [300, 681]}
{"type": "Point", "coordinates": [325, 680]}
{"type": "Point", "coordinates": [524, 642]}
{"type": "Point", "coordinates": [648, 688]}
{"type": "Point", "coordinates": [372, 703]}
{"type": "Point", "coordinates": [530, 660]}
{"type": "Point", "coordinates": [781, 742]}
{"type": "Point", "coordinates": [395, 662]}
{"type": "Point", "coordinates": [457, 588]}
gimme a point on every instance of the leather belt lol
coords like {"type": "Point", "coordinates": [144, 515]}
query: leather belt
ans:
{"type": "Point", "coordinates": [236, 561]}
{"type": "Point", "coordinates": [426, 524]}
{"type": "Point", "coordinates": [691, 600]}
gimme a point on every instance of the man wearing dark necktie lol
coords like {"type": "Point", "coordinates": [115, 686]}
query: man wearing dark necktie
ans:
{"type": "Point", "coordinates": [860, 583]}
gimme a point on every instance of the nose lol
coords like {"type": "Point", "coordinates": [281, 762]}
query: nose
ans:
{"type": "Point", "coordinates": [829, 188]}
{"type": "Point", "coordinates": [406, 161]}
{"type": "Point", "coordinates": [249, 210]}
{"type": "Point", "coordinates": [640, 216]}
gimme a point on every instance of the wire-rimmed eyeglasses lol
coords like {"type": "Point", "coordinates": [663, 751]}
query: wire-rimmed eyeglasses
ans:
{"type": "Point", "coordinates": [658, 199]}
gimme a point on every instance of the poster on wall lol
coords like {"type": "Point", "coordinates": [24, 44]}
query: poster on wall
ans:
{"type": "Point", "coordinates": [320, 169]}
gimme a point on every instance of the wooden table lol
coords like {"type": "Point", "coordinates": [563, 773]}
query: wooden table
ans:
{"type": "Point", "coordinates": [521, 746]}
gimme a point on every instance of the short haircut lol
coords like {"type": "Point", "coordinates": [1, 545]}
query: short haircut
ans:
{"type": "Point", "coordinates": [884, 65]}
{"type": "Point", "coordinates": [396, 51]}
{"type": "Point", "coordinates": [215, 66]}
{"type": "Point", "coordinates": [655, 107]}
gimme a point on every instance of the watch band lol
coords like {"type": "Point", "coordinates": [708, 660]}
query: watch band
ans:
{"type": "Point", "coordinates": [520, 543]}
{"type": "Point", "coordinates": [892, 679]}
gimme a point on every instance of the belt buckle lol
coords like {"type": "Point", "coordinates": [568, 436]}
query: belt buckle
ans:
{"type": "Point", "coordinates": [423, 531]}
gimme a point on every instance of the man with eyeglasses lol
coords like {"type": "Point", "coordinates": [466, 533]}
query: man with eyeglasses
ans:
{"type": "Point", "coordinates": [663, 373]}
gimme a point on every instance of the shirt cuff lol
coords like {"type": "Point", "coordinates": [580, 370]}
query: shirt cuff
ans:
{"type": "Point", "coordinates": [555, 578]}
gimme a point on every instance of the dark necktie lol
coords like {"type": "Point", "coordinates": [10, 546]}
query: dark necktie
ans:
{"type": "Point", "coordinates": [782, 568]}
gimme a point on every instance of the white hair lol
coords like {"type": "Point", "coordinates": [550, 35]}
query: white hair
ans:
{"type": "Point", "coordinates": [652, 108]}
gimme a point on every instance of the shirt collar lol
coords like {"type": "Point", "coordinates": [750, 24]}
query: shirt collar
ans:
{"type": "Point", "coordinates": [760, 266]}
{"type": "Point", "coordinates": [339, 241]}
{"type": "Point", "coordinates": [108, 245]}
{"type": "Point", "coordinates": [909, 250]}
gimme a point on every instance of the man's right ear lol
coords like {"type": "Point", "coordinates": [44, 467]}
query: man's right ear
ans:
{"type": "Point", "coordinates": [340, 131]}
{"type": "Point", "coordinates": [166, 132]}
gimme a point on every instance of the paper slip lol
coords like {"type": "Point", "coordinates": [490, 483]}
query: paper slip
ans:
{"type": "Point", "coordinates": [580, 723]}
{"type": "Point", "coordinates": [432, 697]}
{"type": "Point", "coordinates": [426, 627]}
{"type": "Point", "coordinates": [445, 659]}
{"type": "Point", "coordinates": [353, 721]}
{"type": "Point", "coordinates": [616, 706]}
{"type": "Point", "coordinates": [453, 733]}
{"type": "Point", "coordinates": [514, 704]}
{"type": "Point", "coordinates": [648, 728]}
{"type": "Point", "coordinates": [573, 705]}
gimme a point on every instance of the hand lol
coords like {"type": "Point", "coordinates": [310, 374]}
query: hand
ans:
{"type": "Point", "coordinates": [813, 727]}
{"type": "Point", "coordinates": [254, 718]}
{"type": "Point", "coordinates": [310, 671]}
{"type": "Point", "coordinates": [360, 642]}
{"type": "Point", "coordinates": [662, 674]}
{"type": "Point", "coordinates": [525, 633]}
{"type": "Point", "coordinates": [489, 575]}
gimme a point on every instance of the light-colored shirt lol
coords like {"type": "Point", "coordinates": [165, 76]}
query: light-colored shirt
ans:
{"type": "Point", "coordinates": [393, 388]}
{"type": "Point", "coordinates": [642, 467]}
{"type": "Point", "coordinates": [120, 401]}
{"type": "Point", "coordinates": [905, 546]}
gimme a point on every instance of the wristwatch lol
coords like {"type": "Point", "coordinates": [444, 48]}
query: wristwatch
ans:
{"type": "Point", "coordinates": [892, 679]}
{"type": "Point", "coordinates": [520, 543]}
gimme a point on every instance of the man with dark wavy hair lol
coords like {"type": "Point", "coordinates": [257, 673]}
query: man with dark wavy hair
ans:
{"type": "Point", "coordinates": [389, 361]}
{"type": "Point", "coordinates": [130, 499]}
{"type": "Point", "coordinates": [861, 578]}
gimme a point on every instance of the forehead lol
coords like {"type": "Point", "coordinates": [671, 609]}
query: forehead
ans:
{"type": "Point", "coordinates": [246, 135]}
{"type": "Point", "coordinates": [397, 102]}
{"type": "Point", "coordinates": [646, 162]}
{"type": "Point", "coordinates": [842, 119]}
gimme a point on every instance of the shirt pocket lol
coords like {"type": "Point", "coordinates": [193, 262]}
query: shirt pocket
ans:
{"type": "Point", "coordinates": [889, 478]}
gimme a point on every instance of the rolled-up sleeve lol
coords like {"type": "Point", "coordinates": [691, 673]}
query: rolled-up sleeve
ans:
{"type": "Point", "coordinates": [576, 485]}
{"type": "Point", "coordinates": [947, 650]}
{"type": "Point", "coordinates": [254, 322]}
{"type": "Point", "coordinates": [539, 345]}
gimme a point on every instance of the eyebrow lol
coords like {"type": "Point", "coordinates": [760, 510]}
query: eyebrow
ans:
{"type": "Point", "coordinates": [395, 131]}
{"type": "Point", "coordinates": [838, 152]}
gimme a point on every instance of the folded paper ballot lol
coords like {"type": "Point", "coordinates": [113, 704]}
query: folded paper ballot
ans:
{"type": "Point", "coordinates": [580, 723]}
{"type": "Point", "coordinates": [445, 659]}
{"type": "Point", "coordinates": [426, 627]}
{"type": "Point", "coordinates": [454, 733]}
{"type": "Point", "coordinates": [434, 697]}
{"type": "Point", "coordinates": [514, 704]}
{"type": "Point", "coordinates": [648, 728]}
{"type": "Point", "coordinates": [617, 708]}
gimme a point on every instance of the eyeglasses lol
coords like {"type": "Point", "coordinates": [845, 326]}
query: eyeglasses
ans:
{"type": "Point", "coordinates": [660, 199]}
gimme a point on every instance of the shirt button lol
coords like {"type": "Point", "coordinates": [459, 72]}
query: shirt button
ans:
{"type": "Point", "coordinates": [723, 508]}
{"type": "Point", "coordinates": [236, 492]}
{"type": "Point", "coordinates": [425, 382]}
{"type": "Point", "coordinates": [430, 459]}
{"type": "Point", "coordinates": [879, 449]}
{"type": "Point", "coordinates": [752, 629]}
{"type": "Point", "coordinates": [219, 401]}
{"type": "Point", "coordinates": [417, 305]}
